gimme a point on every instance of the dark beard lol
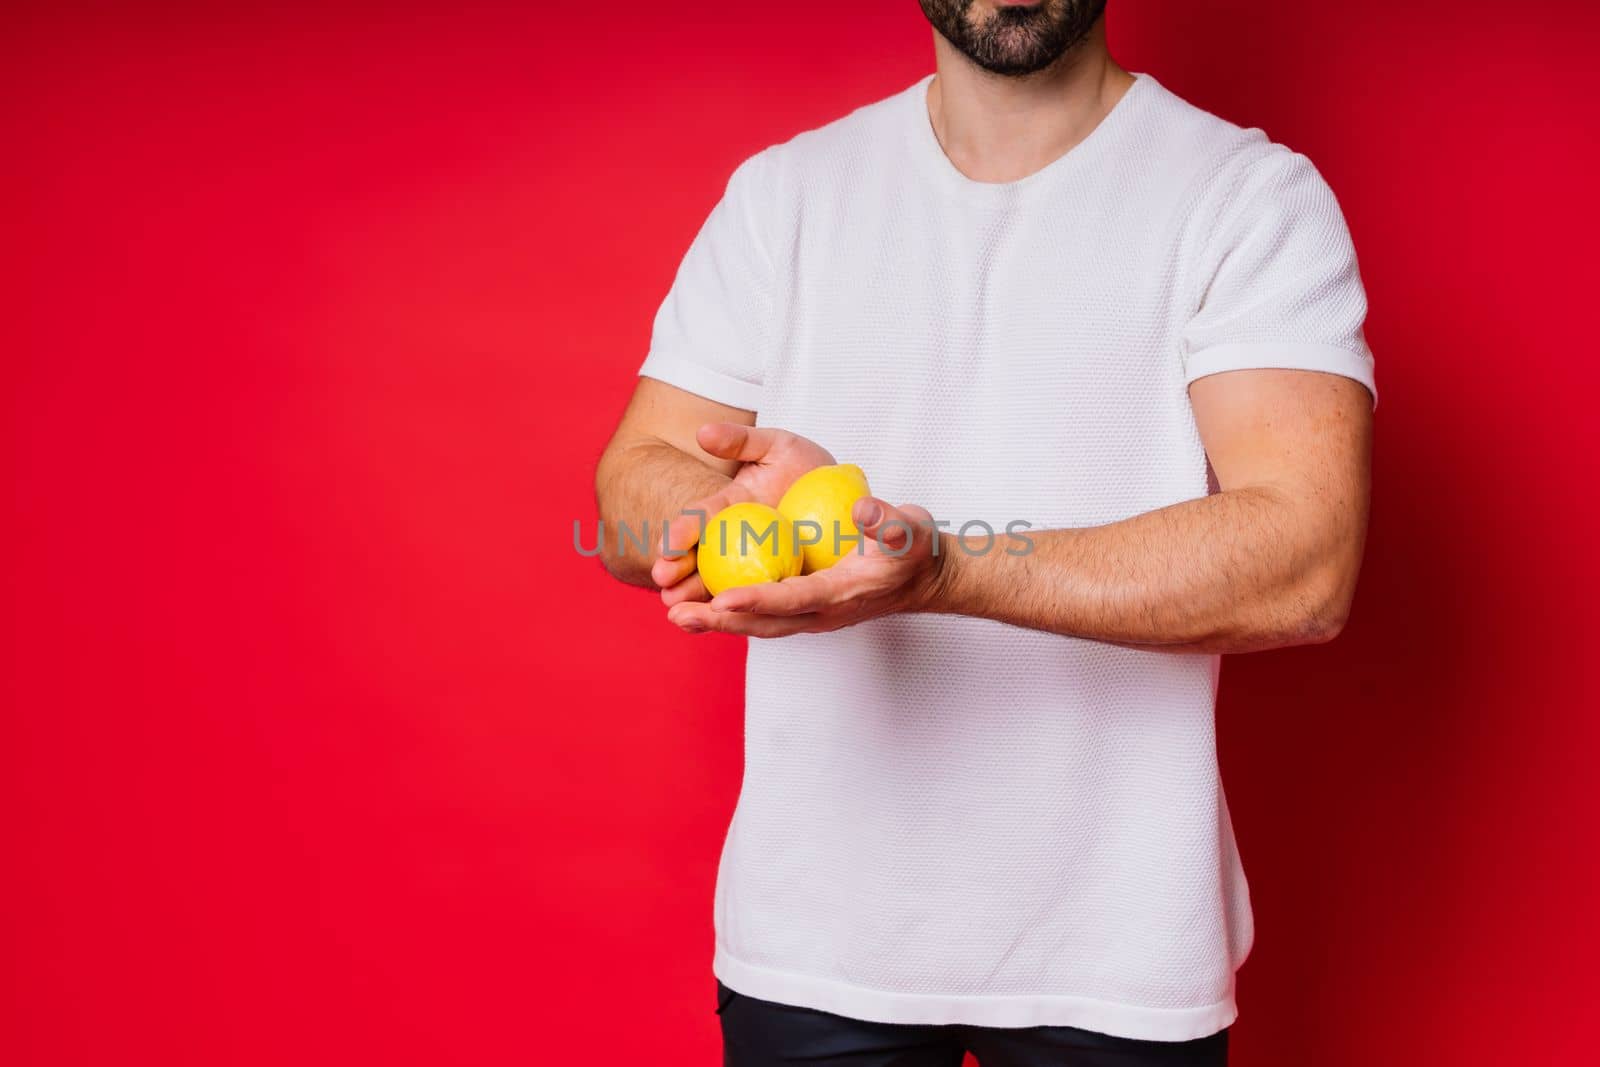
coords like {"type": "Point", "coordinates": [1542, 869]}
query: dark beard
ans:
{"type": "Point", "coordinates": [1015, 40]}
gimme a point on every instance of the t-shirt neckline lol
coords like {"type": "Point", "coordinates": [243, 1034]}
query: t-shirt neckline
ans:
{"type": "Point", "coordinates": [933, 160]}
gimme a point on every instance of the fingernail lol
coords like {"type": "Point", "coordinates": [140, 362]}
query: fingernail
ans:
{"type": "Point", "coordinates": [693, 628]}
{"type": "Point", "coordinates": [873, 514]}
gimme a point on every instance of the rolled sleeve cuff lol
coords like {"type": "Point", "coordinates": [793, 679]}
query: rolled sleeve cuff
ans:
{"type": "Point", "coordinates": [700, 380]}
{"type": "Point", "coordinates": [1299, 355]}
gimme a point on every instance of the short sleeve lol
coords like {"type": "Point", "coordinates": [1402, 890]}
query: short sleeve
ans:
{"type": "Point", "coordinates": [1279, 286]}
{"type": "Point", "coordinates": [713, 331]}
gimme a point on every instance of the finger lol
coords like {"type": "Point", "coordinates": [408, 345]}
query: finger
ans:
{"type": "Point", "coordinates": [683, 533]}
{"type": "Point", "coordinates": [890, 530]}
{"type": "Point", "coordinates": [691, 588]}
{"type": "Point", "coordinates": [699, 618]}
{"type": "Point", "coordinates": [668, 573]}
{"type": "Point", "coordinates": [730, 440]}
{"type": "Point", "coordinates": [792, 596]}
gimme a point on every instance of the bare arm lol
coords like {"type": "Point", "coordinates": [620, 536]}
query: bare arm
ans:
{"type": "Point", "coordinates": [1269, 560]}
{"type": "Point", "coordinates": [652, 468]}
{"type": "Point", "coordinates": [675, 452]}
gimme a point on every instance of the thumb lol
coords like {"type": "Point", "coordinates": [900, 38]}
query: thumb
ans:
{"type": "Point", "coordinates": [731, 440]}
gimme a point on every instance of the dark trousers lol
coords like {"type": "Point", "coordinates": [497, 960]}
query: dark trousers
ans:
{"type": "Point", "coordinates": [759, 1033]}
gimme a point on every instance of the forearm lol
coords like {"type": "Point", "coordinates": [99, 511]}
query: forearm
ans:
{"type": "Point", "coordinates": [1236, 571]}
{"type": "Point", "coordinates": [641, 485]}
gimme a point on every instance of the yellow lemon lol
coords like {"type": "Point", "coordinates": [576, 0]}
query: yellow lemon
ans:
{"type": "Point", "coordinates": [747, 544]}
{"type": "Point", "coordinates": [821, 499]}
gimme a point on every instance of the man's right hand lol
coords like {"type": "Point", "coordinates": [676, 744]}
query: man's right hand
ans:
{"type": "Point", "coordinates": [770, 461]}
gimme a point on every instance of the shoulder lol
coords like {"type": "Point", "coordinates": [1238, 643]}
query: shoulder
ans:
{"type": "Point", "coordinates": [1207, 152]}
{"type": "Point", "coordinates": [870, 127]}
{"type": "Point", "coordinates": [1230, 176]}
{"type": "Point", "coordinates": [839, 150]}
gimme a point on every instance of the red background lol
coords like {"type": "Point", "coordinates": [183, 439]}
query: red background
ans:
{"type": "Point", "coordinates": [321, 745]}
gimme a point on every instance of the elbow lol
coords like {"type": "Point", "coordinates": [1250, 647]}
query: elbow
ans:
{"type": "Point", "coordinates": [627, 568]}
{"type": "Point", "coordinates": [622, 544]}
{"type": "Point", "coordinates": [1312, 610]}
{"type": "Point", "coordinates": [630, 568]}
{"type": "Point", "coordinates": [619, 554]}
{"type": "Point", "coordinates": [605, 548]}
{"type": "Point", "coordinates": [609, 561]}
{"type": "Point", "coordinates": [1325, 624]}
{"type": "Point", "coordinates": [1322, 609]}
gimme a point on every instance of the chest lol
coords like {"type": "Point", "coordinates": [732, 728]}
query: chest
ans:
{"type": "Point", "coordinates": [992, 360]}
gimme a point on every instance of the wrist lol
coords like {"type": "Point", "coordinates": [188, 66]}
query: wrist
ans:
{"type": "Point", "coordinates": [936, 588]}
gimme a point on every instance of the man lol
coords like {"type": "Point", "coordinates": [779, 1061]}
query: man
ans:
{"type": "Point", "coordinates": [981, 808]}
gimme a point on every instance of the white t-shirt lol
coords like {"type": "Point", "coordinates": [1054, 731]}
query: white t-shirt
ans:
{"type": "Point", "coordinates": [946, 819]}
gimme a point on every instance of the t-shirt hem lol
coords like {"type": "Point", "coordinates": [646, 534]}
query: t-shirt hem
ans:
{"type": "Point", "coordinates": [701, 380]}
{"type": "Point", "coordinates": [1008, 1012]}
{"type": "Point", "coordinates": [1294, 355]}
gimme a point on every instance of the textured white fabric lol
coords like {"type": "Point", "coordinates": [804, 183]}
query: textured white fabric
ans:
{"type": "Point", "coordinates": [944, 819]}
